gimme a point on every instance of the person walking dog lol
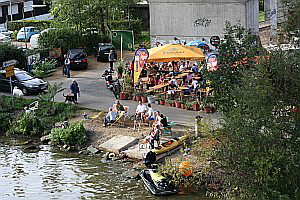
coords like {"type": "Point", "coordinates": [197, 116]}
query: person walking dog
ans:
{"type": "Point", "coordinates": [75, 90]}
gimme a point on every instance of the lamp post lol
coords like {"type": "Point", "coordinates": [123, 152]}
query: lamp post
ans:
{"type": "Point", "coordinates": [25, 31]}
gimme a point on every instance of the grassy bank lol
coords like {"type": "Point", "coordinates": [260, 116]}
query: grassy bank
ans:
{"type": "Point", "coordinates": [47, 114]}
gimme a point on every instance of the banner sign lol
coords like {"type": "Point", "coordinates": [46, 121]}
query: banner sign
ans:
{"type": "Point", "coordinates": [273, 17]}
{"type": "Point", "coordinates": [215, 41]}
{"type": "Point", "coordinates": [140, 57]}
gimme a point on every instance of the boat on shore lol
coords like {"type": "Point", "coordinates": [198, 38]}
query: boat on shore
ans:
{"type": "Point", "coordinates": [170, 145]}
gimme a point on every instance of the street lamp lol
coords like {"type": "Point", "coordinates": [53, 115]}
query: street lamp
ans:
{"type": "Point", "coordinates": [32, 6]}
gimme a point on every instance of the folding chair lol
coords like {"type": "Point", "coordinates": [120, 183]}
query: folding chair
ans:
{"type": "Point", "coordinates": [100, 114]}
{"type": "Point", "coordinates": [33, 106]}
{"type": "Point", "coordinates": [168, 130]}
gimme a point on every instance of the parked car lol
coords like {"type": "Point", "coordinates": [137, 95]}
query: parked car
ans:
{"type": "Point", "coordinates": [103, 51]}
{"type": "Point", "coordinates": [26, 32]}
{"type": "Point", "coordinates": [24, 81]}
{"type": "Point", "coordinates": [78, 59]}
{"type": "Point", "coordinates": [4, 39]}
{"type": "Point", "coordinates": [35, 38]}
{"type": "Point", "coordinates": [6, 32]}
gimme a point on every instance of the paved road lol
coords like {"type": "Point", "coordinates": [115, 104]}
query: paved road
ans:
{"type": "Point", "coordinates": [94, 95]}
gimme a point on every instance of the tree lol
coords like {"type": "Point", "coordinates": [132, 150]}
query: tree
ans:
{"type": "Point", "coordinates": [292, 14]}
{"type": "Point", "coordinates": [10, 52]}
{"type": "Point", "coordinates": [85, 14]}
{"type": "Point", "coordinates": [258, 94]}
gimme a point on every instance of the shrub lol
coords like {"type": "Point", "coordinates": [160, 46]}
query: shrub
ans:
{"type": "Point", "coordinates": [5, 115]}
{"type": "Point", "coordinates": [10, 52]}
{"type": "Point", "coordinates": [17, 25]}
{"type": "Point", "coordinates": [75, 134]}
{"type": "Point", "coordinates": [44, 68]}
{"type": "Point", "coordinates": [27, 124]}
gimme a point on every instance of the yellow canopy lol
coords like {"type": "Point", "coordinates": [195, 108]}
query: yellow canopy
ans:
{"type": "Point", "coordinates": [174, 52]}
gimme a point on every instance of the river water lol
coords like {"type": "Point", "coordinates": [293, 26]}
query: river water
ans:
{"type": "Point", "coordinates": [51, 174]}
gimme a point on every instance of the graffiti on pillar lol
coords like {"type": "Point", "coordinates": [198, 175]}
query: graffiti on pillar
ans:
{"type": "Point", "coordinates": [202, 22]}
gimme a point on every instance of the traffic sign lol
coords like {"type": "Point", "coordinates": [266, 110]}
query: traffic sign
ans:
{"type": "Point", "coordinates": [10, 71]}
{"type": "Point", "coordinates": [9, 63]}
{"type": "Point", "coordinates": [215, 40]}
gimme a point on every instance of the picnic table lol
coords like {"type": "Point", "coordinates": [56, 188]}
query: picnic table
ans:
{"type": "Point", "coordinates": [157, 87]}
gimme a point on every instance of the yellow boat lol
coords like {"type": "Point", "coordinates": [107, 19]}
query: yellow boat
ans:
{"type": "Point", "coordinates": [171, 144]}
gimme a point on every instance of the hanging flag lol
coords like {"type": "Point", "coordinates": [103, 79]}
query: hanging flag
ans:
{"type": "Point", "coordinates": [140, 57]}
{"type": "Point", "coordinates": [273, 17]}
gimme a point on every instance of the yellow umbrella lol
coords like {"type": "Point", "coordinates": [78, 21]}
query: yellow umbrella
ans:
{"type": "Point", "coordinates": [174, 52]}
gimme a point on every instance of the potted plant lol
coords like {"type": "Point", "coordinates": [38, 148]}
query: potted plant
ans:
{"type": "Point", "coordinates": [178, 103]}
{"type": "Point", "coordinates": [120, 68]}
{"type": "Point", "coordinates": [144, 96]}
{"type": "Point", "coordinates": [168, 102]}
{"type": "Point", "coordinates": [208, 104]}
{"type": "Point", "coordinates": [195, 106]}
{"type": "Point", "coordinates": [183, 104]}
{"type": "Point", "coordinates": [188, 105]}
{"type": "Point", "coordinates": [138, 96]}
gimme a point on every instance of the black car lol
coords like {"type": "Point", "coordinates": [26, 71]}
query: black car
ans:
{"type": "Point", "coordinates": [78, 59]}
{"type": "Point", "coordinates": [103, 52]}
{"type": "Point", "coordinates": [24, 81]}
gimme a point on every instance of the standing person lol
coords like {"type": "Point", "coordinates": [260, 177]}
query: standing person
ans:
{"type": "Point", "coordinates": [75, 90]}
{"type": "Point", "coordinates": [111, 59]}
{"type": "Point", "coordinates": [67, 66]}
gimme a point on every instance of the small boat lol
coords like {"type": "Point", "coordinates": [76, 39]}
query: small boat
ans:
{"type": "Point", "coordinates": [158, 184]}
{"type": "Point", "coordinates": [169, 145]}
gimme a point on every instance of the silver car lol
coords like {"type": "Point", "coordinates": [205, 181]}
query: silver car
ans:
{"type": "Point", "coordinates": [4, 39]}
{"type": "Point", "coordinates": [6, 32]}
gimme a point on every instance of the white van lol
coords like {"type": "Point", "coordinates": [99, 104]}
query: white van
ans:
{"type": "Point", "coordinates": [35, 38]}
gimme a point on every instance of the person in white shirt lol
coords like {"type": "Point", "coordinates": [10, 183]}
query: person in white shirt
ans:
{"type": "Point", "coordinates": [182, 67]}
{"type": "Point", "coordinates": [195, 85]}
{"type": "Point", "coordinates": [150, 115]}
{"type": "Point", "coordinates": [140, 110]}
{"type": "Point", "coordinates": [110, 117]}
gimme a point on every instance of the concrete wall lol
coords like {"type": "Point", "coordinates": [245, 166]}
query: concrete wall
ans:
{"type": "Point", "coordinates": [196, 19]}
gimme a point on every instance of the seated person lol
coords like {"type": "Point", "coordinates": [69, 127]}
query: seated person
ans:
{"type": "Point", "coordinates": [119, 106]}
{"type": "Point", "coordinates": [110, 117]}
{"type": "Point", "coordinates": [189, 78]}
{"type": "Point", "coordinates": [173, 83]}
{"type": "Point", "coordinates": [182, 67]}
{"type": "Point", "coordinates": [187, 91]}
{"type": "Point", "coordinates": [163, 121]}
{"type": "Point", "coordinates": [195, 84]}
{"type": "Point", "coordinates": [140, 110]}
{"type": "Point", "coordinates": [149, 116]}
{"type": "Point", "coordinates": [154, 136]}
{"type": "Point", "coordinates": [195, 69]}
{"type": "Point", "coordinates": [157, 117]}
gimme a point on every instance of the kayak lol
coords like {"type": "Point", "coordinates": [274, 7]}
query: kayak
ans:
{"type": "Point", "coordinates": [156, 183]}
{"type": "Point", "coordinates": [169, 145]}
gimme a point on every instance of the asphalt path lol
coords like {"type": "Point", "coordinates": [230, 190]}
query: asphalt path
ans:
{"type": "Point", "coordinates": [94, 95]}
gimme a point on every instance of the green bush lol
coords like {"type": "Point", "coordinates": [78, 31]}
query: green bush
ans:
{"type": "Point", "coordinates": [75, 134]}
{"type": "Point", "coordinates": [10, 52]}
{"type": "Point", "coordinates": [64, 38]}
{"type": "Point", "coordinates": [67, 38]}
{"type": "Point", "coordinates": [17, 25]}
{"type": "Point", "coordinates": [44, 69]}
{"type": "Point", "coordinates": [5, 115]}
{"type": "Point", "coordinates": [27, 124]}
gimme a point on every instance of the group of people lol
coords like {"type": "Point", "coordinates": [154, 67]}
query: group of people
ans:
{"type": "Point", "coordinates": [156, 120]}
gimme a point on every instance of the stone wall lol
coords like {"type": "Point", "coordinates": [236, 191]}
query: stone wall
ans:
{"type": "Point", "coordinates": [196, 19]}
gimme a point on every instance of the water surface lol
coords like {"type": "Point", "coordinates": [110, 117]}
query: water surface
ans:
{"type": "Point", "coordinates": [51, 174]}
